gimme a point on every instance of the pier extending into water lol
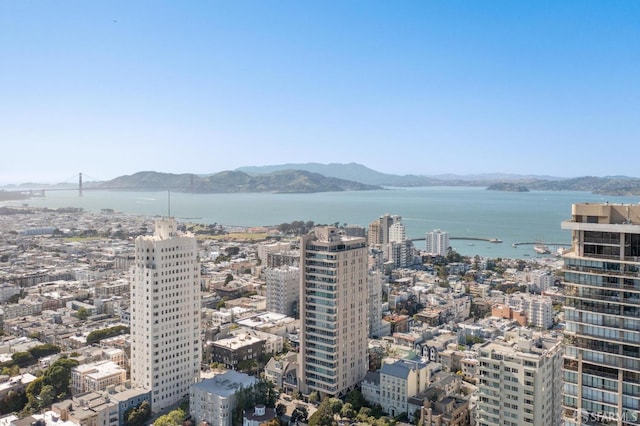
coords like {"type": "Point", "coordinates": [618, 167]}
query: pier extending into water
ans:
{"type": "Point", "coordinates": [538, 242]}
{"type": "Point", "coordinates": [489, 240]}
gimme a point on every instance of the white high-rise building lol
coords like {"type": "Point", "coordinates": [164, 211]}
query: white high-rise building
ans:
{"type": "Point", "coordinates": [538, 309]}
{"type": "Point", "coordinates": [165, 314]}
{"type": "Point", "coordinates": [379, 229]}
{"type": "Point", "coordinates": [519, 381]}
{"type": "Point", "coordinates": [397, 233]}
{"type": "Point", "coordinates": [544, 281]}
{"type": "Point", "coordinates": [283, 289]}
{"type": "Point", "coordinates": [436, 242]}
{"type": "Point", "coordinates": [334, 312]}
{"type": "Point", "coordinates": [374, 284]}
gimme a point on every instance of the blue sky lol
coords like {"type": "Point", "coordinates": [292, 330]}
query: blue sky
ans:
{"type": "Point", "coordinates": [115, 87]}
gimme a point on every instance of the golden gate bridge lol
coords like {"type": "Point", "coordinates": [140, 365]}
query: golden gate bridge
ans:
{"type": "Point", "coordinates": [94, 184]}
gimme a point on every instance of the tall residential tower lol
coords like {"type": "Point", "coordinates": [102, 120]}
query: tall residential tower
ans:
{"type": "Point", "coordinates": [333, 311]}
{"type": "Point", "coordinates": [165, 314]}
{"type": "Point", "coordinates": [436, 242]}
{"type": "Point", "coordinates": [602, 313]}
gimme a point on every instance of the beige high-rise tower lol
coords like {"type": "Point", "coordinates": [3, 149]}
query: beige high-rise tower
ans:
{"type": "Point", "coordinates": [165, 314]}
{"type": "Point", "coordinates": [333, 312]}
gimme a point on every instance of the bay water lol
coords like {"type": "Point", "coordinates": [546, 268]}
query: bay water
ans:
{"type": "Point", "coordinates": [513, 217]}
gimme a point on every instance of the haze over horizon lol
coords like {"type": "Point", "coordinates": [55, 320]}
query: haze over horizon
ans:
{"type": "Point", "coordinates": [119, 87]}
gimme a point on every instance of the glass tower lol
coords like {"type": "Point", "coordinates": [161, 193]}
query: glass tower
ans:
{"type": "Point", "coordinates": [601, 366]}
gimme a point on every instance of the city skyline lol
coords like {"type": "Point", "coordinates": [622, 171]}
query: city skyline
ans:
{"type": "Point", "coordinates": [417, 88]}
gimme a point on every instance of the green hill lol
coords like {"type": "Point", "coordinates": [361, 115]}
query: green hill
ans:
{"type": "Point", "coordinates": [234, 181]}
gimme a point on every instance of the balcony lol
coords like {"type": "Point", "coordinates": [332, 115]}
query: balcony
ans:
{"type": "Point", "coordinates": [629, 272]}
{"type": "Point", "coordinates": [570, 365]}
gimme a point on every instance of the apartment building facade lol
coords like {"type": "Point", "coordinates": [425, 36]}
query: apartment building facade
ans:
{"type": "Point", "coordinates": [334, 312]}
{"type": "Point", "coordinates": [165, 314]}
{"type": "Point", "coordinates": [602, 313]}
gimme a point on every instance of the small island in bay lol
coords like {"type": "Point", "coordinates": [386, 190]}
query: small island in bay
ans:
{"type": "Point", "coordinates": [508, 187]}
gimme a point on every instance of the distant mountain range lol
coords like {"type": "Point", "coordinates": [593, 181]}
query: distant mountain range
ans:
{"type": "Point", "coordinates": [609, 185]}
{"type": "Point", "coordinates": [316, 177]}
{"type": "Point", "coordinates": [619, 185]}
{"type": "Point", "coordinates": [360, 173]}
{"type": "Point", "coordinates": [351, 171]}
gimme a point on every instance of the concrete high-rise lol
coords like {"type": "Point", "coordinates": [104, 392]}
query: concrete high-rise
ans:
{"type": "Point", "coordinates": [379, 229]}
{"type": "Point", "coordinates": [165, 314]}
{"type": "Point", "coordinates": [397, 233]}
{"type": "Point", "coordinates": [375, 280]}
{"type": "Point", "coordinates": [602, 313]}
{"type": "Point", "coordinates": [436, 242]}
{"type": "Point", "coordinates": [399, 249]}
{"type": "Point", "coordinates": [333, 311]}
{"type": "Point", "coordinates": [518, 380]}
{"type": "Point", "coordinates": [283, 289]}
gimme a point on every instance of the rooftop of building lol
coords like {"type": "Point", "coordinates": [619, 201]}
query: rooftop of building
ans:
{"type": "Point", "coordinates": [372, 377]}
{"type": "Point", "coordinates": [24, 379]}
{"type": "Point", "coordinates": [260, 414]}
{"type": "Point", "coordinates": [527, 345]}
{"type": "Point", "coordinates": [401, 368]}
{"type": "Point", "coordinates": [225, 384]}
{"type": "Point", "coordinates": [99, 369]}
{"type": "Point", "coordinates": [236, 342]}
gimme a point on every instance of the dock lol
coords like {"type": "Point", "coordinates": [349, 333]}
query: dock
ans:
{"type": "Point", "coordinates": [515, 245]}
{"type": "Point", "coordinates": [489, 240]}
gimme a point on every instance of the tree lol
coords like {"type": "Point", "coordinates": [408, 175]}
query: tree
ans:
{"type": "Point", "coordinates": [232, 251]}
{"type": "Point", "coordinates": [23, 359]}
{"type": "Point", "coordinates": [82, 313]}
{"type": "Point", "coordinates": [263, 358]}
{"type": "Point", "coordinates": [11, 370]}
{"type": "Point", "coordinates": [417, 415]}
{"type": "Point", "coordinates": [300, 414]}
{"type": "Point", "coordinates": [314, 397]}
{"type": "Point", "coordinates": [402, 417]}
{"type": "Point", "coordinates": [364, 414]}
{"type": "Point", "coordinates": [105, 333]}
{"type": "Point", "coordinates": [35, 387]}
{"type": "Point", "coordinates": [262, 392]}
{"type": "Point", "coordinates": [323, 415]}
{"type": "Point", "coordinates": [272, 422]}
{"type": "Point", "coordinates": [376, 411]}
{"type": "Point", "coordinates": [44, 350]}
{"type": "Point", "coordinates": [13, 402]}
{"type": "Point", "coordinates": [285, 228]}
{"type": "Point", "coordinates": [335, 404]}
{"type": "Point", "coordinates": [228, 279]}
{"type": "Point", "coordinates": [246, 365]}
{"type": "Point", "coordinates": [47, 395]}
{"type": "Point", "coordinates": [137, 416]}
{"type": "Point", "coordinates": [58, 375]}
{"type": "Point", "coordinates": [348, 411]}
{"type": "Point", "coordinates": [356, 399]}
{"type": "Point", "coordinates": [172, 418]}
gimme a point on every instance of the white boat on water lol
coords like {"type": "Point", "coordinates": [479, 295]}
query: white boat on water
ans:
{"type": "Point", "coordinates": [541, 248]}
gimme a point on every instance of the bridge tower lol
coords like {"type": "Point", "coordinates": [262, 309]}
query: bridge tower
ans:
{"type": "Point", "coordinates": [80, 184]}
